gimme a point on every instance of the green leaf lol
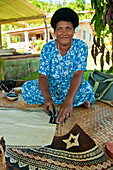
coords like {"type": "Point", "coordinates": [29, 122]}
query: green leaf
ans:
{"type": "Point", "coordinates": [102, 62]}
{"type": "Point", "coordinates": [98, 27]}
{"type": "Point", "coordinates": [92, 3]}
{"type": "Point", "coordinates": [102, 40]}
{"type": "Point", "coordinates": [99, 4]}
{"type": "Point", "coordinates": [92, 51]}
{"type": "Point", "coordinates": [93, 19]}
{"type": "Point", "coordinates": [99, 24]}
{"type": "Point", "coordinates": [108, 57]}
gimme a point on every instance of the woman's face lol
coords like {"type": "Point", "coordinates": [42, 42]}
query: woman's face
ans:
{"type": "Point", "coordinates": [64, 32]}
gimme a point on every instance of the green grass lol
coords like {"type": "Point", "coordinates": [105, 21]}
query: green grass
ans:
{"type": "Point", "coordinates": [90, 66]}
{"type": "Point", "coordinates": [32, 76]}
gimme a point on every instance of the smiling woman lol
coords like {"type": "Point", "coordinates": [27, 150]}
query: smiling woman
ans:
{"type": "Point", "coordinates": [61, 71]}
{"type": "Point", "coordinates": [64, 31]}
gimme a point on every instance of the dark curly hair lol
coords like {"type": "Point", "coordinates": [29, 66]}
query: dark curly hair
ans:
{"type": "Point", "coordinates": [65, 14]}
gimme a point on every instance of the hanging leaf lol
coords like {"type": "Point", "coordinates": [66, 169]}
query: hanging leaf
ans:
{"type": "Point", "coordinates": [96, 51]}
{"type": "Point", "coordinates": [107, 57]}
{"type": "Point", "coordinates": [94, 40]}
{"type": "Point", "coordinates": [102, 62]}
{"type": "Point", "coordinates": [98, 27]}
{"type": "Point", "coordinates": [102, 40]}
{"type": "Point", "coordinates": [103, 25]}
{"type": "Point", "coordinates": [99, 4]}
{"type": "Point", "coordinates": [112, 57]}
{"type": "Point", "coordinates": [104, 19]}
{"type": "Point", "coordinates": [92, 51]}
{"type": "Point", "coordinates": [102, 48]}
{"type": "Point", "coordinates": [95, 60]}
{"type": "Point", "coordinates": [98, 42]}
{"type": "Point", "coordinates": [93, 19]}
{"type": "Point", "coordinates": [92, 3]}
{"type": "Point", "coordinates": [108, 16]}
{"type": "Point", "coordinates": [95, 56]}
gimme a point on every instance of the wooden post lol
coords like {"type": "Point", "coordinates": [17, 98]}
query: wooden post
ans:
{"type": "Point", "coordinates": [0, 38]}
{"type": "Point", "coordinates": [26, 40]}
{"type": "Point", "coordinates": [8, 41]}
{"type": "Point", "coordinates": [46, 29]}
{"type": "Point", "coordinates": [112, 48]}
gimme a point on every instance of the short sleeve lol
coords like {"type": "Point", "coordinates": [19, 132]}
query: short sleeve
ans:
{"type": "Point", "coordinates": [45, 57]}
{"type": "Point", "coordinates": [81, 53]}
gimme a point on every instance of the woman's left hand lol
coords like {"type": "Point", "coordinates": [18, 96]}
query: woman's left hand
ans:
{"type": "Point", "coordinates": [67, 106]}
{"type": "Point", "coordinates": [65, 111]}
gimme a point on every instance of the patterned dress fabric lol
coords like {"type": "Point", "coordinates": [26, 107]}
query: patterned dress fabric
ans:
{"type": "Point", "coordinates": [59, 85]}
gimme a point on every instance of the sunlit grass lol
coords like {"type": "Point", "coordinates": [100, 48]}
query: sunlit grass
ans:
{"type": "Point", "coordinates": [90, 66]}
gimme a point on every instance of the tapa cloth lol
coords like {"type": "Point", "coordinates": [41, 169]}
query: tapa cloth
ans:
{"type": "Point", "coordinates": [26, 128]}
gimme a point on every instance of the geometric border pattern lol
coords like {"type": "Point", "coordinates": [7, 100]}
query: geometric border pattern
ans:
{"type": "Point", "coordinates": [48, 158]}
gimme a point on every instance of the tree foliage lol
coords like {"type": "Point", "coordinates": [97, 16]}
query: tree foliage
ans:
{"type": "Point", "coordinates": [103, 24]}
{"type": "Point", "coordinates": [77, 5]}
{"type": "Point", "coordinates": [46, 7]}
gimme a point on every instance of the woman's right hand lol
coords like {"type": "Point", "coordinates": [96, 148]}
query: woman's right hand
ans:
{"type": "Point", "coordinates": [44, 87]}
{"type": "Point", "coordinates": [49, 103]}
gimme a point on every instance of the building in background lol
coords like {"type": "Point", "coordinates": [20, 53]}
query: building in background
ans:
{"type": "Point", "coordinates": [25, 39]}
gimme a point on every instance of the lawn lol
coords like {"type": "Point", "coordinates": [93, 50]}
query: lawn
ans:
{"type": "Point", "coordinates": [90, 66]}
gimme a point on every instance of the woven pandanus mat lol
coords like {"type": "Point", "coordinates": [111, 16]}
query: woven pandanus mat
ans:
{"type": "Point", "coordinates": [19, 104]}
{"type": "Point", "coordinates": [97, 121]}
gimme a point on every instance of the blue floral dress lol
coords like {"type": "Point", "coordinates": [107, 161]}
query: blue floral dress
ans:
{"type": "Point", "coordinates": [58, 84]}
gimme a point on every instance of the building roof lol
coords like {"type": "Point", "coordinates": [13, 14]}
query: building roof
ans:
{"type": "Point", "coordinates": [38, 27]}
{"type": "Point", "coordinates": [18, 10]}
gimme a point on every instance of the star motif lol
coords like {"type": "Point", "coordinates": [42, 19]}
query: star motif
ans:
{"type": "Point", "coordinates": [72, 141]}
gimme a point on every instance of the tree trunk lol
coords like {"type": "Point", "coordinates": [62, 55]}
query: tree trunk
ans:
{"type": "Point", "coordinates": [46, 29]}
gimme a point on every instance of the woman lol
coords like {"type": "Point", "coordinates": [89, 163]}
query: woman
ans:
{"type": "Point", "coordinates": [61, 71]}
